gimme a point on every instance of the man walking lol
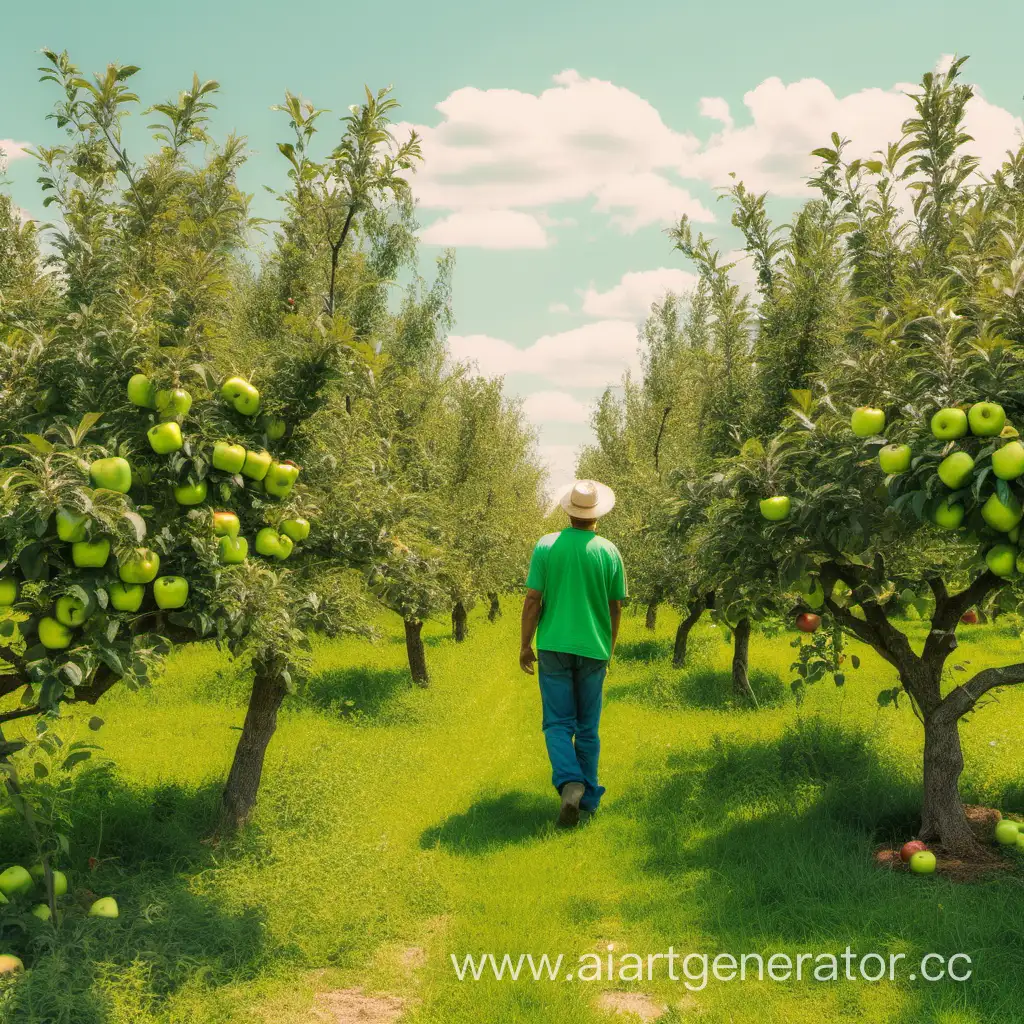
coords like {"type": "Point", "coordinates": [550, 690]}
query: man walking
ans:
{"type": "Point", "coordinates": [575, 589]}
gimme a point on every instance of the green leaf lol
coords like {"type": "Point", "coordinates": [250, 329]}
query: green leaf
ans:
{"type": "Point", "coordinates": [76, 758]}
{"type": "Point", "coordinates": [855, 661]}
{"type": "Point", "coordinates": [88, 421]}
{"type": "Point", "coordinates": [39, 442]}
{"type": "Point", "coordinates": [95, 723]}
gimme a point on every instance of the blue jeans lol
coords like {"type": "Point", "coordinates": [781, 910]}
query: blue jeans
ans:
{"type": "Point", "coordinates": [570, 693]}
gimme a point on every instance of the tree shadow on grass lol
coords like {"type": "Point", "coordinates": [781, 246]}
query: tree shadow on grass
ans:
{"type": "Point", "coordinates": [358, 693]}
{"type": "Point", "coordinates": [493, 822]}
{"type": "Point", "coordinates": [767, 846]}
{"type": "Point", "coordinates": [643, 650]}
{"type": "Point", "coordinates": [703, 688]}
{"type": "Point", "coordinates": [148, 844]}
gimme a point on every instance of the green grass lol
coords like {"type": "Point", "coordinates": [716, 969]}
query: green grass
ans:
{"type": "Point", "coordinates": [392, 817]}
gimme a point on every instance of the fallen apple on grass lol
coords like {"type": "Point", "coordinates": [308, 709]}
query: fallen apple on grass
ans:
{"type": "Point", "coordinates": [165, 438]}
{"type": "Point", "coordinates": [106, 906]}
{"type": "Point", "coordinates": [280, 478]}
{"type": "Point", "coordinates": [268, 542]}
{"type": "Point", "coordinates": [907, 850]}
{"type": "Point", "coordinates": [923, 862]}
{"type": "Point", "coordinates": [1006, 832]}
{"type": "Point", "coordinates": [297, 529]}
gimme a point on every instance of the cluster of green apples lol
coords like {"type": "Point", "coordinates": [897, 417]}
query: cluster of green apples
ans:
{"type": "Point", "coordinates": [234, 549]}
{"type": "Point", "coordinates": [1010, 833]}
{"type": "Point", "coordinates": [985, 420]}
{"type": "Point", "coordinates": [17, 882]}
{"type": "Point", "coordinates": [265, 473]}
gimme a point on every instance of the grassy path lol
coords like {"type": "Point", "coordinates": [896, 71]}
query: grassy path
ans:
{"type": "Point", "coordinates": [397, 827]}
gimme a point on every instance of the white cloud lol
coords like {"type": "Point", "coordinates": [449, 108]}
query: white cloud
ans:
{"type": "Point", "coordinates": [560, 462]}
{"type": "Point", "coordinates": [488, 229]}
{"type": "Point", "coordinates": [594, 355]}
{"type": "Point", "coordinates": [559, 307]}
{"type": "Point", "coordinates": [717, 109]}
{"type": "Point", "coordinates": [631, 298]}
{"type": "Point", "coordinates": [555, 407]}
{"type": "Point", "coordinates": [12, 150]}
{"type": "Point", "coordinates": [582, 140]}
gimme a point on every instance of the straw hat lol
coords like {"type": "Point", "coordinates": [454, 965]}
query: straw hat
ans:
{"type": "Point", "coordinates": [588, 499]}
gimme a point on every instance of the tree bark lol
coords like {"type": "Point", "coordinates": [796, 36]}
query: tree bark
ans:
{"type": "Point", "coordinates": [416, 652]}
{"type": "Point", "coordinates": [239, 797]}
{"type": "Point", "coordinates": [683, 633]}
{"type": "Point", "coordinates": [494, 612]}
{"type": "Point", "coordinates": [740, 660]}
{"type": "Point", "coordinates": [652, 615]}
{"type": "Point", "coordinates": [943, 819]}
{"type": "Point", "coordinates": [459, 627]}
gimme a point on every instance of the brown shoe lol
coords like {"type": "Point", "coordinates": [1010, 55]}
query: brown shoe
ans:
{"type": "Point", "coordinates": [572, 793]}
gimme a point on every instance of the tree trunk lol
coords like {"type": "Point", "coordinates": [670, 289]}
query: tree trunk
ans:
{"type": "Point", "coordinates": [494, 612]}
{"type": "Point", "coordinates": [943, 819]}
{"type": "Point", "coordinates": [740, 659]}
{"type": "Point", "coordinates": [652, 615]}
{"type": "Point", "coordinates": [415, 650]}
{"type": "Point", "coordinates": [683, 633]}
{"type": "Point", "coordinates": [459, 627]}
{"type": "Point", "coordinates": [243, 783]}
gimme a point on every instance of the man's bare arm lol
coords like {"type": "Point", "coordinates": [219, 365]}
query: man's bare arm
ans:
{"type": "Point", "coordinates": [531, 616]}
{"type": "Point", "coordinates": [615, 610]}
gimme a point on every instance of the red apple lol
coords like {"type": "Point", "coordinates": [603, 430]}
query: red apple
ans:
{"type": "Point", "coordinates": [970, 617]}
{"type": "Point", "coordinates": [907, 850]}
{"type": "Point", "coordinates": [808, 622]}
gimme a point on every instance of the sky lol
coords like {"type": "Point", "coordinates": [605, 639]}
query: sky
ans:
{"type": "Point", "coordinates": [560, 138]}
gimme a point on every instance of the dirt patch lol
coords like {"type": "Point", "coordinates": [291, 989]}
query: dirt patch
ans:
{"type": "Point", "coordinates": [413, 958]}
{"type": "Point", "coordinates": [354, 1006]}
{"type": "Point", "coordinates": [633, 1003]}
{"type": "Point", "coordinates": [982, 822]}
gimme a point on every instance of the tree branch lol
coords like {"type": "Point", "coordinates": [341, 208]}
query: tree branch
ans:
{"type": "Point", "coordinates": [948, 611]}
{"type": "Point", "coordinates": [962, 699]}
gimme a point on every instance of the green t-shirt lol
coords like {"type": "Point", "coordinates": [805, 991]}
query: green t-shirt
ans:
{"type": "Point", "coordinates": [577, 573]}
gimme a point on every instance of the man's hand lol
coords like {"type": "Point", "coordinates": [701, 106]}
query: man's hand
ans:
{"type": "Point", "coordinates": [527, 659]}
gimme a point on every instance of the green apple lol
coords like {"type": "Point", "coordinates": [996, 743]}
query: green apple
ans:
{"type": "Point", "coordinates": [256, 465]}
{"type": "Point", "coordinates": [10, 964]}
{"type": "Point", "coordinates": [986, 419]}
{"type": "Point", "coordinates": [257, 486]}
{"type": "Point", "coordinates": [190, 493]}
{"type": "Point", "coordinates": [15, 881]}
{"type": "Point", "coordinates": [999, 516]}
{"type": "Point", "coordinates": [140, 567]}
{"type": "Point", "coordinates": [233, 550]}
{"type": "Point", "coordinates": [42, 911]}
{"type": "Point", "coordinates": [225, 524]}
{"type": "Point", "coordinates": [90, 554]}
{"type": "Point", "coordinates": [114, 474]}
{"type": "Point", "coordinates": [60, 880]}
{"type": "Point", "coordinates": [126, 597]}
{"type": "Point", "coordinates": [956, 469]}
{"type": "Point", "coordinates": [867, 422]}
{"type": "Point", "coordinates": [297, 529]}
{"type": "Point", "coordinates": [1001, 560]}
{"type": "Point", "coordinates": [268, 542]}
{"type": "Point", "coordinates": [949, 424]}
{"type": "Point", "coordinates": [170, 591]}
{"type": "Point", "coordinates": [228, 458]}
{"type": "Point", "coordinates": [923, 862]}
{"type": "Point", "coordinates": [280, 478]}
{"type": "Point", "coordinates": [165, 438]}
{"type": "Point", "coordinates": [54, 635]}
{"type": "Point", "coordinates": [775, 509]}
{"type": "Point", "coordinates": [8, 591]}
{"type": "Point", "coordinates": [71, 527]}
{"type": "Point", "coordinates": [1008, 461]}
{"type": "Point", "coordinates": [242, 395]}
{"type": "Point", "coordinates": [275, 428]}
{"type": "Point", "coordinates": [949, 517]}
{"type": "Point", "coordinates": [71, 611]}
{"type": "Point", "coordinates": [104, 907]}
{"type": "Point", "coordinates": [1006, 832]}
{"type": "Point", "coordinates": [173, 402]}
{"type": "Point", "coordinates": [895, 458]}
{"type": "Point", "coordinates": [141, 391]}
{"type": "Point", "coordinates": [285, 545]}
